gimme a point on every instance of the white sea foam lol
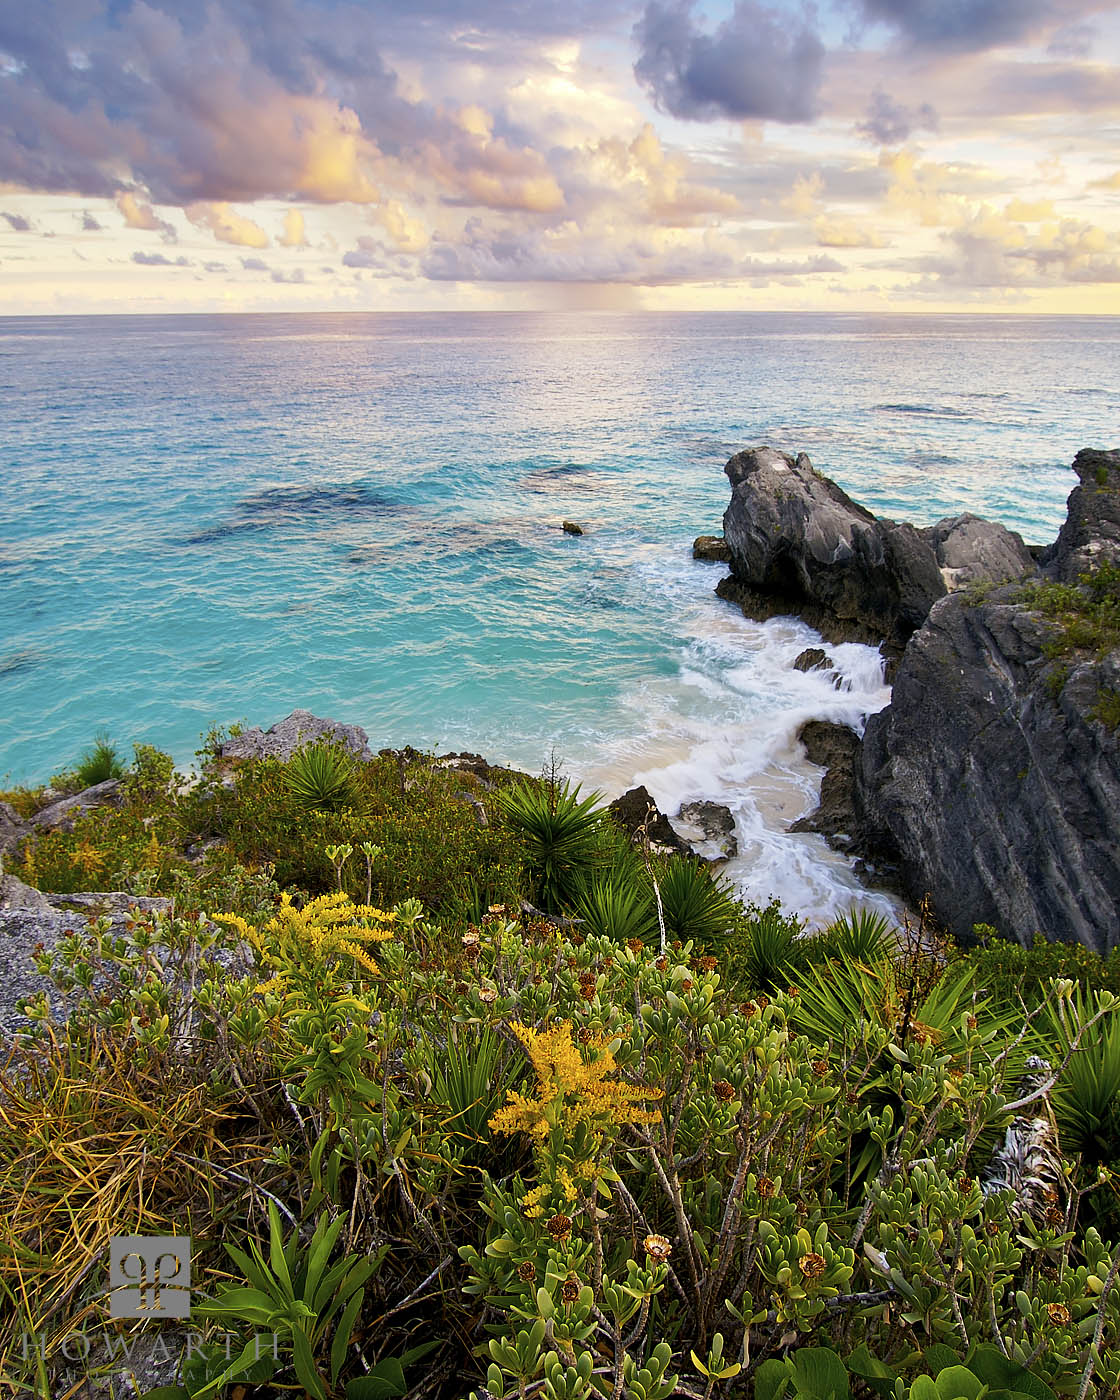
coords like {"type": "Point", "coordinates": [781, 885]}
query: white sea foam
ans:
{"type": "Point", "coordinates": [724, 729]}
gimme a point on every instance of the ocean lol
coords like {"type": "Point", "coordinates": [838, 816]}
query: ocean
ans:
{"type": "Point", "coordinates": [209, 519]}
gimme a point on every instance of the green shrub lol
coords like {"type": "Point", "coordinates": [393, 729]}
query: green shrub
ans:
{"type": "Point", "coordinates": [864, 935]}
{"type": "Point", "coordinates": [696, 904]}
{"type": "Point", "coordinates": [560, 832]}
{"type": "Point", "coordinates": [618, 908]}
{"type": "Point", "coordinates": [1014, 975]}
{"type": "Point", "coordinates": [99, 763]}
{"type": "Point", "coordinates": [766, 948]}
{"type": "Point", "coordinates": [321, 777]}
{"type": "Point", "coordinates": [1085, 615]}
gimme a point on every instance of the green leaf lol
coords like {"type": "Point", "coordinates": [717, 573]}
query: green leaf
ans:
{"type": "Point", "coordinates": [384, 1382]}
{"type": "Point", "coordinates": [771, 1380]}
{"type": "Point", "coordinates": [343, 1332]}
{"type": "Point", "coordinates": [1001, 1373]}
{"type": "Point", "coordinates": [878, 1375]}
{"type": "Point", "coordinates": [306, 1369]}
{"type": "Point", "coordinates": [937, 1357]}
{"type": "Point", "coordinates": [958, 1383]}
{"type": "Point", "coordinates": [821, 1375]}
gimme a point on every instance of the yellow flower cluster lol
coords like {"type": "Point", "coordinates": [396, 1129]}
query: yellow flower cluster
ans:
{"type": "Point", "coordinates": [312, 939]}
{"type": "Point", "coordinates": [570, 1090]}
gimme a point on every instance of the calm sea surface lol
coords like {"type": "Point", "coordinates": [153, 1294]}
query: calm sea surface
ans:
{"type": "Point", "coordinates": [207, 519]}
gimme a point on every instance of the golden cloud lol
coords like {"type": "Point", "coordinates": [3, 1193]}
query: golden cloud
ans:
{"type": "Point", "coordinates": [226, 224]}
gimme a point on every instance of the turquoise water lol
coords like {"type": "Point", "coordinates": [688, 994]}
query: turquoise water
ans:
{"type": "Point", "coordinates": [216, 518]}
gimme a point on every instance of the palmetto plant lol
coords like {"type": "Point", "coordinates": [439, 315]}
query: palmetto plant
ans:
{"type": "Point", "coordinates": [560, 830]}
{"type": "Point", "coordinates": [470, 1078]}
{"type": "Point", "coordinates": [321, 777]}
{"type": "Point", "coordinates": [696, 903]}
{"type": "Point", "coordinates": [861, 934]}
{"type": "Point", "coordinates": [1086, 1098]}
{"type": "Point", "coordinates": [615, 906]}
{"type": "Point", "coordinates": [773, 950]}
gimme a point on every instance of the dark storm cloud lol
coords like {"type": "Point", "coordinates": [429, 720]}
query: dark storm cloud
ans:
{"type": "Point", "coordinates": [889, 123]}
{"type": "Point", "coordinates": [961, 25]}
{"type": "Point", "coordinates": [759, 63]}
{"type": "Point", "coordinates": [17, 221]}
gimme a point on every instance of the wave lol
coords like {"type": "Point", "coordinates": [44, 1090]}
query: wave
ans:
{"type": "Point", "coordinates": [922, 409]}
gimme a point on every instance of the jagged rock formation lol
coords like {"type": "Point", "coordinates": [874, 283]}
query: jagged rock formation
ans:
{"type": "Point", "coordinates": [991, 783]}
{"type": "Point", "coordinates": [293, 732]}
{"type": "Point", "coordinates": [800, 545]}
{"type": "Point", "coordinates": [992, 773]}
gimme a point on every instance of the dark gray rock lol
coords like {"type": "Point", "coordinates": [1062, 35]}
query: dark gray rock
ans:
{"type": "Point", "coordinates": [709, 830]}
{"type": "Point", "coordinates": [713, 549]}
{"type": "Point", "coordinates": [632, 810]}
{"type": "Point", "coordinates": [835, 747]}
{"type": "Point", "coordinates": [991, 778]}
{"type": "Point", "coordinates": [970, 551]}
{"type": "Point", "coordinates": [295, 731]}
{"type": "Point", "coordinates": [571, 528]}
{"type": "Point", "coordinates": [814, 659]}
{"type": "Point", "coordinates": [1091, 533]}
{"type": "Point", "coordinates": [12, 827]}
{"type": "Point", "coordinates": [61, 815]}
{"type": "Point", "coordinates": [800, 545]}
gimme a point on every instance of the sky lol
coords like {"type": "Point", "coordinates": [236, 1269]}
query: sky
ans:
{"type": "Point", "coordinates": [394, 155]}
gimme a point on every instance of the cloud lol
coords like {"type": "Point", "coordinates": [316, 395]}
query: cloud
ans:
{"type": "Point", "coordinates": [565, 255]}
{"type": "Point", "coordinates": [227, 225]}
{"type": "Point", "coordinates": [140, 215]}
{"type": "Point", "coordinates": [254, 265]}
{"type": "Point", "coordinates": [406, 234]}
{"type": "Point", "coordinates": [296, 276]}
{"type": "Point", "coordinates": [89, 223]}
{"type": "Point", "coordinates": [889, 123]}
{"type": "Point", "coordinates": [758, 64]}
{"type": "Point", "coordinates": [834, 232]}
{"type": "Point", "coordinates": [1072, 41]}
{"type": "Point", "coordinates": [960, 25]}
{"type": "Point", "coordinates": [1110, 182]}
{"type": "Point", "coordinates": [990, 250]}
{"type": "Point", "coordinates": [17, 222]}
{"type": "Point", "coordinates": [158, 260]}
{"type": "Point", "coordinates": [294, 235]}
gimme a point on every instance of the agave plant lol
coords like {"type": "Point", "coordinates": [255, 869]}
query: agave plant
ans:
{"type": "Point", "coordinates": [774, 949]}
{"type": "Point", "coordinates": [696, 903]}
{"type": "Point", "coordinates": [617, 907]}
{"type": "Point", "coordinates": [561, 834]}
{"type": "Point", "coordinates": [322, 777]}
{"type": "Point", "coordinates": [861, 934]}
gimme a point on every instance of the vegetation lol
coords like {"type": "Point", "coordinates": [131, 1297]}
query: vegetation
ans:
{"type": "Point", "coordinates": [1085, 616]}
{"type": "Point", "coordinates": [437, 1143]}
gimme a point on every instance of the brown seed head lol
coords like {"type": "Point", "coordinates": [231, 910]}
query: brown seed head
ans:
{"type": "Point", "coordinates": [820, 1067]}
{"type": "Point", "coordinates": [661, 964]}
{"type": "Point", "coordinates": [964, 1185]}
{"type": "Point", "coordinates": [708, 964]}
{"type": "Point", "coordinates": [635, 945]}
{"type": "Point", "coordinates": [527, 1271]}
{"type": "Point", "coordinates": [686, 985]}
{"type": "Point", "coordinates": [577, 940]}
{"type": "Point", "coordinates": [812, 1265]}
{"type": "Point", "coordinates": [1054, 1216]}
{"type": "Point", "coordinates": [569, 1290]}
{"type": "Point", "coordinates": [1059, 1314]}
{"type": "Point", "coordinates": [488, 995]}
{"type": "Point", "coordinates": [765, 1187]}
{"type": "Point", "coordinates": [723, 1090]}
{"type": "Point", "coordinates": [559, 1227]}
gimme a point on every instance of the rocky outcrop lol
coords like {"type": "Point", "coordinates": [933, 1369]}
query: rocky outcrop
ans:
{"type": "Point", "coordinates": [800, 545]}
{"type": "Point", "coordinates": [634, 808]}
{"type": "Point", "coordinates": [709, 828]}
{"type": "Point", "coordinates": [28, 918]}
{"type": "Point", "coordinates": [1091, 533]}
{"type": "Point", "coordinates": [61, 815]}
{"type": "Point", "coordinates": [994, 779]}
{"type": "Point", "coordinates": [835, 747]}
{"type": "Point", "coordinates": [970, 550]}
{"type": "Point", "coordinates": [295, 731]}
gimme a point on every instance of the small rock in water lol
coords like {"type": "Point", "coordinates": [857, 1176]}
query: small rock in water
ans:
{"type": "Point", "coordinates": [712, 549]}
{"type": "Point", "coordinates": [814, 659]}
{"type": "Point", "coordinates": [571, 528]}
{"type": "Point", "coordinates": [716, 825]}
